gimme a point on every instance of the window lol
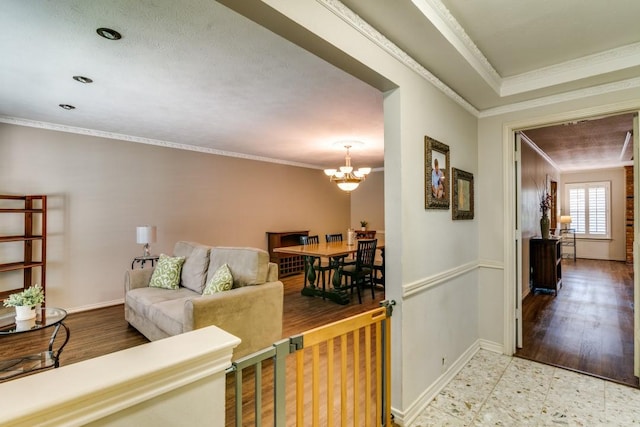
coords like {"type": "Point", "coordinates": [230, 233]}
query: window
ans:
{"type": "Point", "coordinates": [589, 207]}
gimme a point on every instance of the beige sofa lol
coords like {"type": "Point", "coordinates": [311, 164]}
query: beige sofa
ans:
{"type": "Point", "coordinates": [251, 310]}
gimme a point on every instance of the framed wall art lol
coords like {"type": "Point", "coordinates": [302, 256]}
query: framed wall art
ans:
{"type": "Point", "coordinates": [436, 174]}
{"type": "Point", "coordinates": [462, 194]}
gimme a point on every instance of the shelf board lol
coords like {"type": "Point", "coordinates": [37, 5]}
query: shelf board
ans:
{"type": "Point", "coordinates": [18, 238]}
{"type": "Point", "coordinates": [5, 210]}
{"type": "Point", "coordinates": [20, 265]}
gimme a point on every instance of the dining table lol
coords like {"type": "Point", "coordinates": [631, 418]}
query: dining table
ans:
{"type": "Point", "coordinates": [335, 252]}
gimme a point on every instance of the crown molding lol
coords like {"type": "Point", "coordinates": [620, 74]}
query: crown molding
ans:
{"type": "Point", "coordinates": [356, 22]}
{"type": "Point", "coordinates": [581, 68]}
{"type": "Point", "coordinates": [537, 149]}
{"type": "Point", "coordinates": [438, 14]}
{"type": "Point", "coordinates": [563, 97]}
{"type": "Point", "coordinates": [148, 141]}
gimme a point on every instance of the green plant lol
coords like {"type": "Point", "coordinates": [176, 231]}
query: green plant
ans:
{"type": "Point", "coordinates": [29, 297]}
{"type": "Point", "coordinates": [363, 223]}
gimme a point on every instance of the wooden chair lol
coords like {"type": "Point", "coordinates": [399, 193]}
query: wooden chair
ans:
{"type": "Point", "coordinates": [361, 272]}
{"type": "Point", "coordinates": [337, 237]}
{"type": "Point", "coordinates": [378, 270]}
{"type": "Point", "coordinates": [312, 263]}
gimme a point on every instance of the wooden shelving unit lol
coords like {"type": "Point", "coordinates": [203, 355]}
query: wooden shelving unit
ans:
{"type": "Point", "coordinates": [34, 256]}
{"type": "Point", "coordinates": [545, 262]}
{"type": "Point", "coordinates": [287, 264]}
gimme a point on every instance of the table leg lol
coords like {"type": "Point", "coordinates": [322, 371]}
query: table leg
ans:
{"type": "Point", "coordinates": [56, 354]}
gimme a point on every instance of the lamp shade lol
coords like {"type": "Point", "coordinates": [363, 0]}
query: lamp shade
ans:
{"type": "Point", "coordinates": [145, 234]}
{"type": "Point", "coordinates": [565, 219]}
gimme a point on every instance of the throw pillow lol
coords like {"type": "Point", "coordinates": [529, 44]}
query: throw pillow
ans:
{"type": "Point", "coordinates": [167, 272]}
{"type": "Point", "coordinates": [222, 280]}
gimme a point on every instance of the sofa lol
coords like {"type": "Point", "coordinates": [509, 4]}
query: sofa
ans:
{"type": "Point", "coordinates": [250, 310]}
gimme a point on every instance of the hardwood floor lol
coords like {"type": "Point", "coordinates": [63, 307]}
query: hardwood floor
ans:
{"type": "Point", "coordinates": [98, 332]}
{"type": "Point", "coordinates": [588, 326]}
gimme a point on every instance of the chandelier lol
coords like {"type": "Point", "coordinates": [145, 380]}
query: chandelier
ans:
{"type": "Point", "coordinates": [346, 178]}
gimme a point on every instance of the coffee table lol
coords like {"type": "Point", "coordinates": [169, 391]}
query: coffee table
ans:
{"type": "Point", "coordinates": [45, 318]}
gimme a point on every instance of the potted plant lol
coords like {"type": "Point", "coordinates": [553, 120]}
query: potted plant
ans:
{"type": "Point", "coordinates": [25, 302]}
{"type": "Point", "coordinates": [363, 225]}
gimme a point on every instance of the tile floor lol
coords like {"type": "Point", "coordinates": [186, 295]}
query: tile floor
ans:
{"type": "Point", "coordinates": [497, 390]}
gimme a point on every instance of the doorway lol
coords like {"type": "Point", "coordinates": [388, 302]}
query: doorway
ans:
{"type": "Point", "coordinates": [591, 354]}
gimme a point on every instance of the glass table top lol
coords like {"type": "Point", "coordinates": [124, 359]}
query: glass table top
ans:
{"type": "Point", "coordinates": [45, 317]}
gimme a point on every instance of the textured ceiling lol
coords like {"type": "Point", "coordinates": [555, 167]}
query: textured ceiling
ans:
{"type": "Point", "coordinates": [197, 74]}
{"type": "Point", "coordinates": [589, 144]}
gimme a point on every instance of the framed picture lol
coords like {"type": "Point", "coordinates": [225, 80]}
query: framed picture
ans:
{"type": "Point", "coordinates": [436, 174]}
{"type": "Point", "coordinates": [462, 194]}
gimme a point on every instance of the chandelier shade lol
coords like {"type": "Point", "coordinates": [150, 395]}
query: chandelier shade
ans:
{"type": "Point", "coordinates": [345, 177]}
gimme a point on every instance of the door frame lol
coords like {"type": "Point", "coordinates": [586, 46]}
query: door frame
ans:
{"type": "Point", "coordinates": [512, 218]}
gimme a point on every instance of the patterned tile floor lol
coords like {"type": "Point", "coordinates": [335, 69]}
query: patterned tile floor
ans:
{"type": "Point", "coordinates": [497, 390]}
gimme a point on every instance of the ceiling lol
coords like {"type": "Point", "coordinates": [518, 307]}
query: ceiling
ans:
{"type": "Point", "coordinates": [197, 75]}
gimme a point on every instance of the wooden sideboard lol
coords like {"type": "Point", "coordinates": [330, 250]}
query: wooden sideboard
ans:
{"type": "Point", "coordinates": [545, 263]}
{"type": "Point", "coordinates": [287, 264]}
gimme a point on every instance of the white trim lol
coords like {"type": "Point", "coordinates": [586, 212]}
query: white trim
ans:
{"type": "Point", "coordinates": [537, 149]}
{"type": "Point", "coordinates": [581, 68]}
{"type": "Point", "coordinates": [359, 24]}
{"type": "Point", "coordinates": [417, 406]}
{"type": "Point", "coordinates": [562, 97]}
{"type": "Point", "coordinates": [450, 28]}
{"type": "Point", "coordinates": [149, 141]}
{"type": "Point", "coordinates": [489, 263]}
{"type": "Point", "coordinates": [185, 359]}
{"type": "Point", "coordinates": [95, 306]}
{"type": "Point", "coordinates": [412, 289]}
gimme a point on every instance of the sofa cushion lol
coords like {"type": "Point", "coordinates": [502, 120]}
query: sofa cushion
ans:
{"type": "Point", "coordinates": [249, 266]}
{"type": "Point", "coordinates": [167, 272]}
{"type": "Point", "coordinates": [221, 281]}
{"type": "Point", "coordinates": [194, 270]}
{"type": "Point", "coordinates": [141, 299]}
{"type": "Point", "coordinates": [169, 315]}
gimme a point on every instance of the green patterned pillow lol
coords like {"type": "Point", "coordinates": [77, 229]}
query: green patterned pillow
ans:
{"type": "Point", "coordinates": [167, 272]}
{"type": "Point", "coordinates": [221, 281]}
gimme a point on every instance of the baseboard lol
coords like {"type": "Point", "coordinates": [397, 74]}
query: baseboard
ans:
{"type": "Point", "coordinates": [415, 409]}
{"type": "Point", "coordinates": [95, 306]}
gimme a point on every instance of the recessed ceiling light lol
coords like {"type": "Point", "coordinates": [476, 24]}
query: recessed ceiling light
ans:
{"type": "Point", "coordinates": [67, 106]}
{"type": "Point", "coordinates": [109, 34]}
{"type": "Point", "coordinates": [82, 79]}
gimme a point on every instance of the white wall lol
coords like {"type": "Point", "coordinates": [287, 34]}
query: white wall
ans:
{"type": "Point", "coordinates": [367, 202]}
{"type": "Point", "coordinates": [99, 190]}
{"type": "Point", "coordinates": [431, 260]}
{"type": "Point", "coordinates": [613, 249]}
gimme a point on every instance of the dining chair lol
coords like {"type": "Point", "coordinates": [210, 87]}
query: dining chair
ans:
{"type": "Point", "coordinates": [361, 273]}
{"type": "Point", "coordinates": [337, 237]}
{"type": "Point", "coordinates": [378, 269]}
{"type": "Point", "coordinates": [314, 263]}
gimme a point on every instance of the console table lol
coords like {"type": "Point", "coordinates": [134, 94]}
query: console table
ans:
{"type": "Point", "coordinates": [545, 265]}
{"type": "Point", "coordinates": [287, 264]}
{"type": "Point", "coordinates": [45, 318]}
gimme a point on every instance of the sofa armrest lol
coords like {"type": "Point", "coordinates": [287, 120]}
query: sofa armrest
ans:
{"type": "Point", "coordinates": [272, 272]}
{"type": "Point", "coordinates": [252, 313]}
{"type": "Point", "coordinates": [137, 278]}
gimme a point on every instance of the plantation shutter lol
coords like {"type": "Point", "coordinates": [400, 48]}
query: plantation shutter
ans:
{"type": "Point", "coordinates": [597, 211]}
{"type": "Point", "coordinates": [577, 209]}
{"type": "Point", "coordinates": [589, 207]}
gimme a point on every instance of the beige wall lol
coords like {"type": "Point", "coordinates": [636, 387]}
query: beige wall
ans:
{"type": "Point", "coordinates": [101, 189]}
{"type": "Point", "coordinates": [367, 202]}
{"type": "Point", "coordinates": [535, 174]}
{"type": "Point", "coordinates": [613, 249]}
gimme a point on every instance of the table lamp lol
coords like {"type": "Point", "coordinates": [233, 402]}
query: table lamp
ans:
{"type": "Point", "coordinates": [146, 234]}
{"type": "Point", "coordinates": [566, 220]}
